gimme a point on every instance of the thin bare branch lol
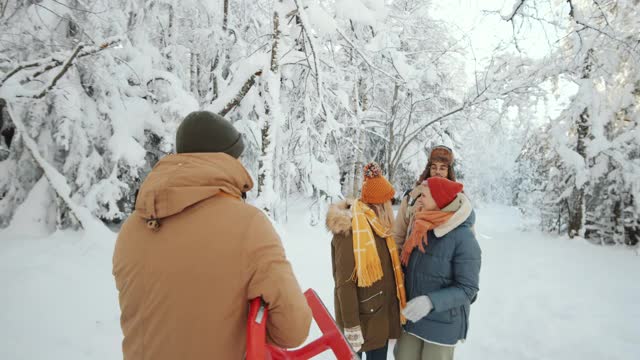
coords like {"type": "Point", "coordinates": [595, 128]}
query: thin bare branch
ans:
{"type": "Point", "coordinates": [3, 7]}
{"type": "Point", "coordinates": [364, 58]}
{"type": "Point", "coordinates": [78, 9]}
{"type": "Point", "coordinates": [304, 24]}
{"type": "Point", "coordinates": [587, 26]}
{"type": "Point", "coordinates": [604, 15]}
{"type": "Point", "coordinates": [516, 7]}
{"type": "Point", "coordinates": [572, 10]}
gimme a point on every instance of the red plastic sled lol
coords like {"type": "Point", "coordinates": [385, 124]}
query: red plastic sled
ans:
{"type": "Point", "coordinates": [331, 339]}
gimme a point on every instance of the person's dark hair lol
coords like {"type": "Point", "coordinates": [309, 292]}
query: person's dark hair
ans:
{"type": "Point", "coordinates": [451, 175]}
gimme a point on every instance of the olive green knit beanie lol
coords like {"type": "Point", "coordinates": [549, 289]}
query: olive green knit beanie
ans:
{"type": "Point", "coordinates": [204, 131]}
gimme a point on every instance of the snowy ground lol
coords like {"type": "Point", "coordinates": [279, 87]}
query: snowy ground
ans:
{"type": "Point", "coordinates": [541, 297]}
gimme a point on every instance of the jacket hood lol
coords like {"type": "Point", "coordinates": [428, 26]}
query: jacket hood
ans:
{"type": "Point", "coordinates": [339, 217]}
{"type": "Point", "coordinates": [463, 216]}
{"type": "Point", "coordinates": [182, 180]}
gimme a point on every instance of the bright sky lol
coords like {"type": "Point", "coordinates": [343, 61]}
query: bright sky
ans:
{"type": "Point", "coordinates": [487, 31]}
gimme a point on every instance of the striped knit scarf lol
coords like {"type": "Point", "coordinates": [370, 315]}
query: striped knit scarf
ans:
{"type": "Point", "coordinates": [368, 268]}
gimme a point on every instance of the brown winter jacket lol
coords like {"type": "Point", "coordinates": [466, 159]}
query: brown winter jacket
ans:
{"type": "Point", "coordinates": [374, 308]}
{"type": "Point", "coordinates": [184, 288]}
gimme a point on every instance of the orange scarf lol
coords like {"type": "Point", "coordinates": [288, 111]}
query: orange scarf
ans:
{"type": "Point", "coordinates": [422, 223]}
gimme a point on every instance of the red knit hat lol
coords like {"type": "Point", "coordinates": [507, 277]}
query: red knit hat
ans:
{"type": "Point", "coordinates": [443, 191]}
{"type": "Point", "coordinates": [375, 189]}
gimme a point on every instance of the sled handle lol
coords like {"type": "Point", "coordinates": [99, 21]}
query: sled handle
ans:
{"type": "Point", "coordinates": [332, 338]}
{"type": "Point", "coordinates": [256, 330]}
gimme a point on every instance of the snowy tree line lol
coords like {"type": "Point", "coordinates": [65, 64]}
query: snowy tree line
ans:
{"type": "Point", "coordinates": [91, 93]}
{"type": "Point", "coordinates": [581, 172]}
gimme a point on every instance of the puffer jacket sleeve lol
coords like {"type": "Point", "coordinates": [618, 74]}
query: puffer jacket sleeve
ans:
{"type": "Point", "coordinates": [466, 274]}
{"type": "Point", "coordinates": [345, 263]}
{"type": "Point", "coordinates": [401, 223]}
{"type": "Point", "coordinates": [272, 278]}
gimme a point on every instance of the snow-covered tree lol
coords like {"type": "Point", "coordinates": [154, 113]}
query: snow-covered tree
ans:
{"type": "Point", "coordinates": [595, 139]}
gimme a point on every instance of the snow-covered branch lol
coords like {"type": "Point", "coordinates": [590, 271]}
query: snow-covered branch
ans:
{"type": "Point", "coordinates": [53, 62]}
{"type": "Point", "coordinates": [364, 57]}
{"type": "Point", "coordinates": [65, 68]}
{"type": "Point", "coordinates": [304, 23]}
{"type": "Point", "coordinates": [516, 7]}
{"type": "Point", "coordinates": [56, 180]}
{"type": "Point", "coordinates": [235, 101]}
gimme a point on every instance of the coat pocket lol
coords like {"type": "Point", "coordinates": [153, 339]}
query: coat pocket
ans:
{"type": "Point", "coordinates": [371, 304]}
{"type": "Point", "coordinates": [441, 317]}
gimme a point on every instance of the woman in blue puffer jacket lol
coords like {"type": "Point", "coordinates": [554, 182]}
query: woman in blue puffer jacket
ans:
{"type": "Point", "coordinates": [442, 263]}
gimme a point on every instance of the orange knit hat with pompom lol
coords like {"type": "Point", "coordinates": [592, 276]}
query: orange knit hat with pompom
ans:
{"type": "Point", "coordinates": [375, 189]}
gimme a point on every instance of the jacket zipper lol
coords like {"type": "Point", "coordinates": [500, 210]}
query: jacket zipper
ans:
{"type": "Point", "coordinates": [412, 271]}
{"type": "Point", "coordinates": [463, 323]}
{"type": "Point", "coordinates": [371, 297]}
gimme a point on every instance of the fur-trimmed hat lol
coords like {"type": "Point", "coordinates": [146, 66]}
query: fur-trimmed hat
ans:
{"type": "Point", "coordinates": [442, 154]}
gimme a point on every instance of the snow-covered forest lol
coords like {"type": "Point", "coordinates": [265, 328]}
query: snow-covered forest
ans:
{"type": "Point", "coordinates": [91, 93]}
{"type": "Point", "coordinates": [539, 100]}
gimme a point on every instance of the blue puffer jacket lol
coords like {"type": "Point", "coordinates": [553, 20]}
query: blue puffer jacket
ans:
{"type": "Point", "coordinates": [448, 273]}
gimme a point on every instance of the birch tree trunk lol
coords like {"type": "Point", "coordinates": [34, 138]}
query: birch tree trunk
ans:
{"type": "Point", "coordinates": [360, 104]}
{"type": "Point", "coordinates": [392, 136]}
{"type": "Point", "coordinates": [268, 152]}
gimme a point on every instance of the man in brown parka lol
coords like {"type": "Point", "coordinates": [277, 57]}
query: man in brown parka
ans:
{"type": "Point", "coordinates": [193, 253]}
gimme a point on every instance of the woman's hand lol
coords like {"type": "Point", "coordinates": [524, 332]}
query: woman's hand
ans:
{"type": "Point", "coordinates": [354, 337]}
{"type": "Point", "coordinates": [418, 206]}
{"type": "Point", "coordinates": [417, 308]}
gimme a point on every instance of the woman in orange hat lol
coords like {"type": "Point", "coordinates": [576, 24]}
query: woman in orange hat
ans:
{"type": "Point", "coordinates": [369, 284]}
{"type": "Point", "coordinates": [440, 164]}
